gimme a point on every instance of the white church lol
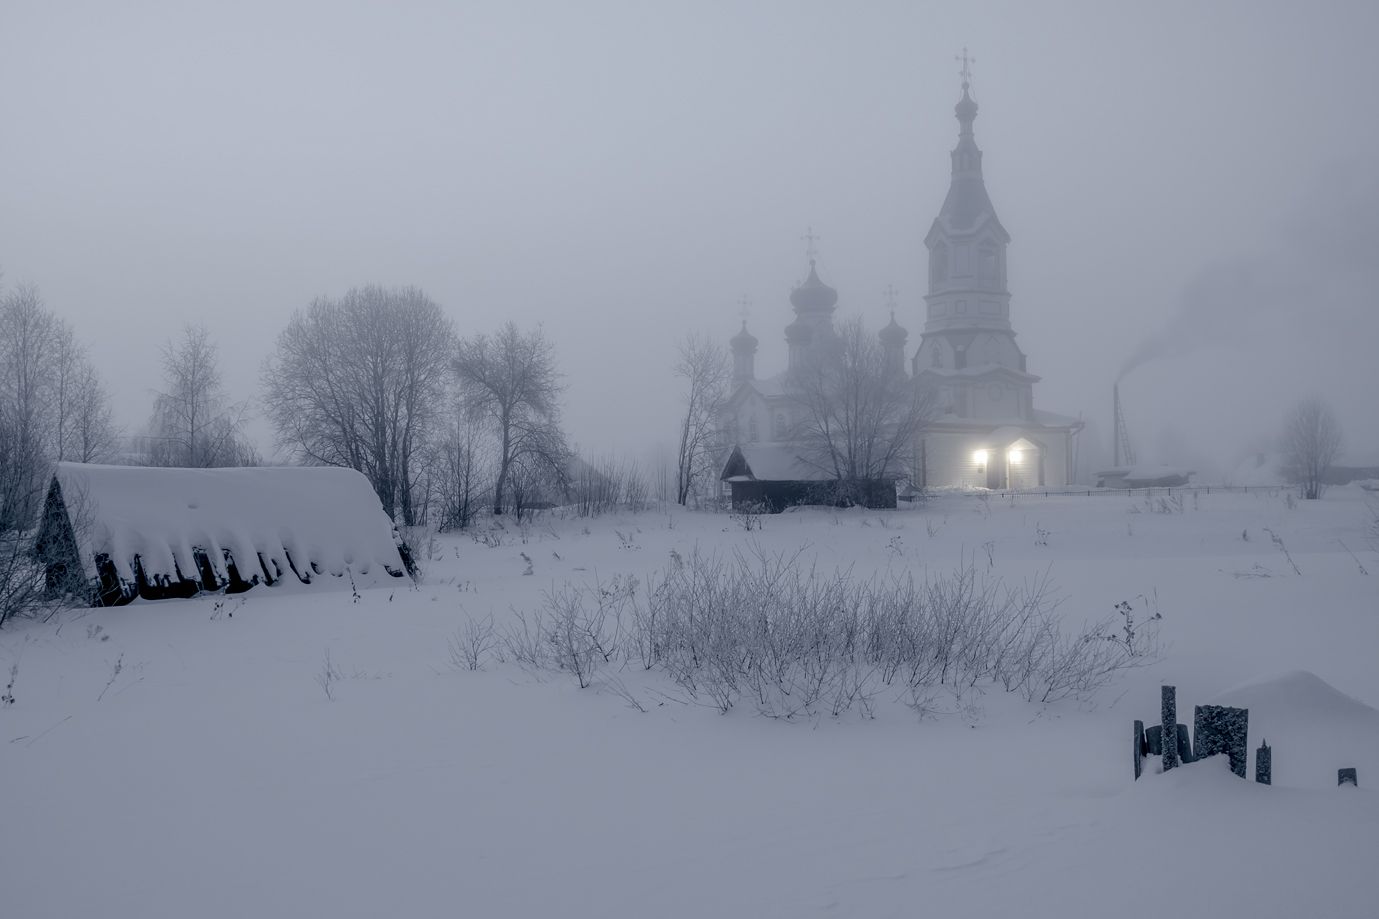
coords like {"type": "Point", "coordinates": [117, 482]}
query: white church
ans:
{"type": "Point", "coordinates": [985, 431]}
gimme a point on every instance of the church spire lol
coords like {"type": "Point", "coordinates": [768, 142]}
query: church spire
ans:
{"type": "Point", "coordinates": [966, 157]}
{"type": "Point", "coordinates": [967, 244]}
{"type": "Point", "coordinates": [967, 204]}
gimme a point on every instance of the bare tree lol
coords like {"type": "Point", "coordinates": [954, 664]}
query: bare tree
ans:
{"type": "Point", "coordinates": [859, 415]}
{"type": "Point", "coordinates": [83, 428]}
{"type": "Point", "coordinates": [703, 366]}
{"type": "Point", "coordinates": [462, 468]}
{"type": "Point", "coordinates": [1311, 444]}
{"type": "Point", "coordinates": [510, 379]}
{"type": "Point", "coordinates": [93, 435]}
{"type": "Point", "coordinates": [361, 382]}
{"type": "Point", "coordinates": [28, 337]}
{"type": "Point", "coordinates": [43, 387]}
{"type": "Point", "coordinates": [193, 422]}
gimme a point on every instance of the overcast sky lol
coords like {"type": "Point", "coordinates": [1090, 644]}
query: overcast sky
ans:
{"type": "Point", "coordinates": [1198, 176]}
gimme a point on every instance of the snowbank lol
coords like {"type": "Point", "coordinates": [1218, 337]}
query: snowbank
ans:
{"type": "Point", "coordinates": [1313, 728]}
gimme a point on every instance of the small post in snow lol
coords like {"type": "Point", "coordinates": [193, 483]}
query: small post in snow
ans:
{"type": "Point", "coordinates": [1140, 748]}
{"type": "Point", "coordinates": [1169, 725]}
{"type": "Point", "coordinates": [1264, 764]}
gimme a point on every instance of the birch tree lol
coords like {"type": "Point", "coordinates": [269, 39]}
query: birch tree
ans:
{"type": "Point", "coordinates": [193, 423]}
{"type": "Point", "coordinates": [510, 380]}
{"type": "Point", "coordinates": [703, 366]}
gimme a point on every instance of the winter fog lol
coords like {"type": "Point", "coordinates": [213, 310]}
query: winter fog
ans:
{"type": "Point", "coordinates": [643, 459]}
{"type": "Point", "coordinates": [1190, 189]}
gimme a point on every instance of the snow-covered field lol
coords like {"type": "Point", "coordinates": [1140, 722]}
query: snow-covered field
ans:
{"type": "Point", "coordinates": [183, 759]}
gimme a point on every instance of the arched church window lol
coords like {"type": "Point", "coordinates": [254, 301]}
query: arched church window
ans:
{"type": "Point", "coordinates": [778, 427]}
{"type": "Point", "coordinates": [752, 430]}
{"type": "Point", "coordinates": [938, 263]}
{"type": "Point", "coordinates": [937, 355]}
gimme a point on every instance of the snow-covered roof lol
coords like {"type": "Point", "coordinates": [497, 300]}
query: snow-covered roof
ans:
{"type": "Point", "coordinates": [1055, 420]}
{"type": "Point", "coordinates": [980, 370]}
{"type": "Point", "coordinates": [1147, 474]}
{"type": "Point", "coordinates": [1043, 423]}
{"type": "Point", "coordinates": [1005, 436]}
{"type": "Point", "coordinates": [771, 462]}
{"type": "Point", "coordinates": [327, 518]}
{"type": "Point", "coordinates": [777, 385]}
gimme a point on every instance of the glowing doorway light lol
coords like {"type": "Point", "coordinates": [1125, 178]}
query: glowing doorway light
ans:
{"type": "Point", "coordinates": [1015, 456]}
{"type": "Point", "coordinates": [979, 457]}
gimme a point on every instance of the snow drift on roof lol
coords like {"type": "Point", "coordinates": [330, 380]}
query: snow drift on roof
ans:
{"type": "Point", "coordinates": [774, 462]}
{"type": "Point", "coordinates": [325, 517]}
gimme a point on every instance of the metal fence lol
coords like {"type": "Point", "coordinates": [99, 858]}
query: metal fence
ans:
{"type": "Point", "coordinates": [1157, 491]}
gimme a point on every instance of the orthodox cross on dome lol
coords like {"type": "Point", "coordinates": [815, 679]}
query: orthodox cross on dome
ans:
{"type": "Point", "coordinates": [967, 62]}
{"type": "Point", "coordinates": [744, 307]}
{"type": "Point", "coordinates": [811, 251]}
{"type": "Point", "coordinates": [890, 293]}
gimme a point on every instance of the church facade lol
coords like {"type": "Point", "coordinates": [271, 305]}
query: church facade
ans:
{"type": "Point", "coordinates": [984, 430]}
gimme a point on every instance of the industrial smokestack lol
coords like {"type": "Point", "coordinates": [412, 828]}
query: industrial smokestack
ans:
{"type": "Point", "coordinates": [1115, 423]}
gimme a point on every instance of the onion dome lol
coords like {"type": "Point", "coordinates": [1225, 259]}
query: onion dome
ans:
{"type": "Point", "coordinates": [894, 333]}
{"type": "Point", "coordinates": [744, 340]}
{"type": "Point", "coordinates": [813, 296]}
{"type": "Point", "coordinates": [966, 109]}
{"type": "Point", "coordinates": [799, 332]}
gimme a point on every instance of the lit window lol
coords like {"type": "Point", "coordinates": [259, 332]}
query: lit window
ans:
{"type": "Point", "coordinates": [1015, 456]}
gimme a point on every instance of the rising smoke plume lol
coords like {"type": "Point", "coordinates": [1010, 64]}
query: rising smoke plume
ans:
{"type": "Point", "coordinates": [1321, 273]}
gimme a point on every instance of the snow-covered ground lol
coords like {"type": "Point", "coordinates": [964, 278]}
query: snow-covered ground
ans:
{"type": "Point", "coordinates": [182, 758]}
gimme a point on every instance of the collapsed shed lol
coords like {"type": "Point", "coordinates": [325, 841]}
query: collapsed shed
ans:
{"type": "Point", "coordinates": [770, 477]}
{"type": "Point", "coordinates": [113, 533]}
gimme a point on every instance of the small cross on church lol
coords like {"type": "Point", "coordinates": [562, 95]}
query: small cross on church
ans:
{"type": "Point", "coordinates": [811, 251]}
{"type": "Point", "coordinates": [890, 293]}
{"type": "Point", "coordinates": [744, 307]}
{"type": "Point", "coordinates": [967, 62]}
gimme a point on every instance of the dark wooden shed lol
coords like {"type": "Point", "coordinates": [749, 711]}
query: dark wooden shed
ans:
{"type": "Point", "coordinates": [112, 533]}
{"type": "Point", "coordinates": [769, 477]}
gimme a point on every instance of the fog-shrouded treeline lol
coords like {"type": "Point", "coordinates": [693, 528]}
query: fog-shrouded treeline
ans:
{"type": "Point", "coordinates": [446, 425]}
{"type": "Point", "coordinates": [53, 404]}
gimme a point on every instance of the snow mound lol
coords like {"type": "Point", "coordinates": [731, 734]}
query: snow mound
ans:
{"type": "Point", "coordinates": [1299, 694]}
{"type": "Point", "coordinates": [1312, 727]}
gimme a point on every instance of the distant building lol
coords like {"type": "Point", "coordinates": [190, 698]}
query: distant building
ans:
{"type": "Point", "coordinates": [985, 431]}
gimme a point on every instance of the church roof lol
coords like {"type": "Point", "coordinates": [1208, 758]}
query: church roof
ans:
{"type": "Point", "coordinates": [773, 387]}
{"type": "Point", "coordinates": [813, 295]}
{"type": "Point", "coordinates": [981, 370]}
{"type": "Point", "coordinates": [1055, 420]}
{"type": "Point", "coordinates": [744, 340]}
{"type": "Point", "coordinates": [967, 205]}
{"type": "Point", "coordinates": [893, 333]}
{"type": "Point", "coordinates": [800, 330]}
